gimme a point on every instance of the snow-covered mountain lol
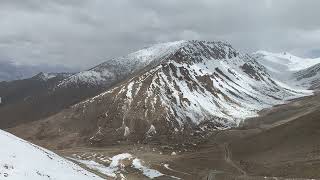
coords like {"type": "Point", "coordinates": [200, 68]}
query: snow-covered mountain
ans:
{"type": "Point", "coordinates": [290, 69]}
{"type": "Point", "coordinates": [181, 89]}
{"type": "Point", "coordinates": [117, 69]}
{"type": "Point", "coordinates": [309, 78]}
{"type": "Point", "coordinates": [20, 160]}
{"type": "Point", "coordinates": [197, 84]}
{"type": "Point", "coordinates": [285, 61]}
{"type": "Point", "coordinates": [47, 76]}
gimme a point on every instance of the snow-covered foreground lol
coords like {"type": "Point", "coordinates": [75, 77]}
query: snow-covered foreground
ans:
{"type": "Point", "coordinates": [21, 160]}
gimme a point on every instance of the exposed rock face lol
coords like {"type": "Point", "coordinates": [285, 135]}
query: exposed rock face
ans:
{"type": "Point", "coordinates": [182, 92]}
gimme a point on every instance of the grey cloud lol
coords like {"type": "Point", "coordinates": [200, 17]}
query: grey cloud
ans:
{"type": "Point", "coordinates": [82, 33]}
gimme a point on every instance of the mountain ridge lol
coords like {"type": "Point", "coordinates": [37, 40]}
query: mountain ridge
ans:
{"type": "Point", "coordinates": [10, 71]}
{"type": "Point", "coordinates": [118, 68]}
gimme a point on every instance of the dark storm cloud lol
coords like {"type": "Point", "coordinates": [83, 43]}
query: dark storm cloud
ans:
{"type": "Point", "coordinates": [82, 33]}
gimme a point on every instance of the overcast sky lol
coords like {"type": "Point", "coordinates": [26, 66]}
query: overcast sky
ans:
{"type": "Point", "coordinates": [83, 33]}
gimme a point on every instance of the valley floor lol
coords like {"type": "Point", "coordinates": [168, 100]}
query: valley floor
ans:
{"type": "Point", "coordinates": [283, 143]}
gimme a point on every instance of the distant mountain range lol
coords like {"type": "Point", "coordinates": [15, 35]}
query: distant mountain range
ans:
{"type": "Point", "coordinates": [10, 70]}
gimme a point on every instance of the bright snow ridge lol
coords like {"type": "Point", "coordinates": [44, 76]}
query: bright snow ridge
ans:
{"type": "Point", "coordinates": [125, 65]}
{"type": "Point", "coordinates": [300, 73]}
{"type": "Point", "coordinates": [287, 60]}
{"type": "Point", "coordinates": [21, 160]}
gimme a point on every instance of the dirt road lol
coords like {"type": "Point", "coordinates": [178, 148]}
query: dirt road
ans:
{"type": "Point", "coordinates": [228, 159]}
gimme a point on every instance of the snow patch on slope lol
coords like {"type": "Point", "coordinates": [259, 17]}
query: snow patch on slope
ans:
{"type": "Point", "coordinates": [20, 159]}
{"type": "Point", "coordinates": [118, 164]}
{"type": "Point", "coordinates": [150, 173]}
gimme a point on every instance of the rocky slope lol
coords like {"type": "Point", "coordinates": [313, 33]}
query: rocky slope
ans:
{"type": "Point", "coordinates": [185, 89]}
{"type": "Point", "coordinates": [309, 78]}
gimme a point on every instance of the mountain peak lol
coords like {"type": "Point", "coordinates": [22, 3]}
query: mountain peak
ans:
{"type": "Point", "coordinates": [160, 51]}
{"type": "Point", "coordinates": [118, 68]}
{"type": "Point", "coordinates": [44, 76]}
{"type": "Point", "coordinates": [197, 50]}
